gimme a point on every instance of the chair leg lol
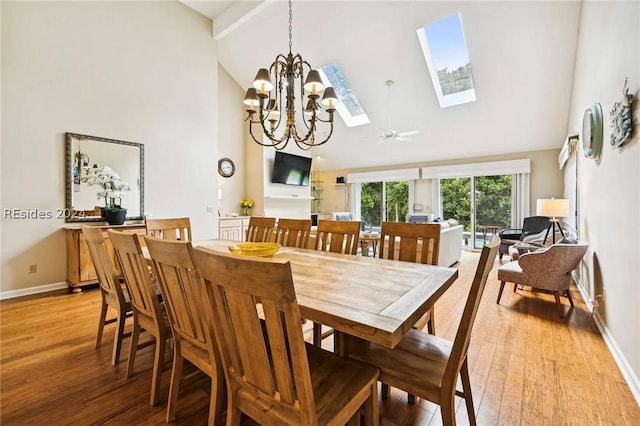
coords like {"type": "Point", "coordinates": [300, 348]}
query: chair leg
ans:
{"type": "Point", "coordinates": [568, 293]}
{"type": "Point", "coordinates": [156, 375]}
{"type": "Point", "coordinates": [466, 388]}
{"type": "Point", "coordinates": [371, 407]}
{"type": "Point", "coordinates": [502, 283]}
{"type": "Point", "coordinates": [174, 386]}
{"type": "Point", "coordinates": [431, 325]}
{"type": "Point", "coordinates": [218, 392]}
{"type": "Point", "coordinates": [103, 316]}
{"type": "Point", "coordinates": [558, 303]}
{"type": "Point", "coordinates": [317, 334]}
{"type": "Point", "coordinates": [386, 390]}
{"type": "Point", "coordinates": [118, 337]}
{"type": "Point", "coordinates": [133, 348]}
{"type": "Point", "coordinates": [233, 414]}
{"type": "Point", "coordinates": [448, 410]}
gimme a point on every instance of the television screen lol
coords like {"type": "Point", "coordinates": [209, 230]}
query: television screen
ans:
{"type": "Point", "coordinates": [291, 169]}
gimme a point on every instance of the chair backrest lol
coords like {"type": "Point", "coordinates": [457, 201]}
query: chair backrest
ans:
{"type": "Point", "coordinates": [551, 268]}
{"type": "Point", "coordinates": [137, 277]}
{"type": "Point", "coordinates": [534, 224]}
{"type": "Point", "coordinates": [415, 242]}
{"type": "Point", "coordinates": [181, 288]}
{"type": "Point", "coordinates": [338, 236]}
{"type": "Point", "coordinates": [107, 276]}
{"type": "Point", "coordinates": [176, 229]}
{"type": "Point", "coordinates": [463, 335]}
{"type": "Point", "coordinates": [293, 232]}
{"type": "Point", "coordinates": [260, 229]}
{"type": "Point", "coordinates": [265, 360]}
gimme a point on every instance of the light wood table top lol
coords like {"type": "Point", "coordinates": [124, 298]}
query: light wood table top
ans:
{"type": "Point", "coordinates": [375, 299]}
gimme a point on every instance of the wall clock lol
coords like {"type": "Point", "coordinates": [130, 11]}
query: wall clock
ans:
{"type": "Point", "coordinates": [226, 168]}
{"type": "Point", "coordinates": [592, 131]}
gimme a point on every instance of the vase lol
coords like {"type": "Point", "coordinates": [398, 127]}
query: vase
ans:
{"type": "Point", "coordinates": [116, 217]}
{"type": "Point", "coordinates": [245, 211]}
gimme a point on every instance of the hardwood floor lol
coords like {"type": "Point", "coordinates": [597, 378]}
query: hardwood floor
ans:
{"type": "Point", "coordinates": [527, 366]}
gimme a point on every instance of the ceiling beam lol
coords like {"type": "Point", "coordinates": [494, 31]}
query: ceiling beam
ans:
{"type": "Point", "coordinates": [236, 15]}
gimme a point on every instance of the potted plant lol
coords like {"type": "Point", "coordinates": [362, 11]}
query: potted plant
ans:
{"type": "Point", "coordinates": [113, 189]}
{"type": "Point", "coordinates": [246, 205]}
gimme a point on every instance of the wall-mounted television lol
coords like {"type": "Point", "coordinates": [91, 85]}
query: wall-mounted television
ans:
{"type": "Point", "coordinates": [291, 169]}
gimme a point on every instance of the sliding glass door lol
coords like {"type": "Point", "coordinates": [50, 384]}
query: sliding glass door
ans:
{"type": "Point", "coordinates": [383, 201]}
{"type": "Point", "coordinates": [482, 204]}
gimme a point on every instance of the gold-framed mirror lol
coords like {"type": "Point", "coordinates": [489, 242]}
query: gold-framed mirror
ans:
{"type": "Point", "coordinates": [85, 155]}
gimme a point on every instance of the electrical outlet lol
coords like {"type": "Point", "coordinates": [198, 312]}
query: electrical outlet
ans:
{"type": "Point", "coordinates": [33, 268]}
{"type": "Point", "coordinates": [209, 209]}
{"type": "Point", "coordinates": [595, 303]}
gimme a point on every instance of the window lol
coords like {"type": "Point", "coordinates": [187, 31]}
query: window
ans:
{"type": "Point", "coordinates": [382, 196]}
{"type": "Point", "coordinates": [349, 107]}
{"type": "Point", "coordinates": [445, 51]}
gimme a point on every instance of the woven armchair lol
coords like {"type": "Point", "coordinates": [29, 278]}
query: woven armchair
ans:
{"type": "Point", "coordinates": [549, 269]}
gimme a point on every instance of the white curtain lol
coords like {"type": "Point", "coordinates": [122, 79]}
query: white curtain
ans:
{"type": "Point", "coordinates": [519, 199]}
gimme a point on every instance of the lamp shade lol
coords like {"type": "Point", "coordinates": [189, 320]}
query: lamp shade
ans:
{"type": "Point", "coordinates": [251, 98]}
{"type": "Point", "coordinates": [552, 207]}
{"type": "Point", "coordinates": [330, 99]}
{"type": "Point", "coordinates": [313, 83]}
{"type": "Point", "coordinates": [262, 82]}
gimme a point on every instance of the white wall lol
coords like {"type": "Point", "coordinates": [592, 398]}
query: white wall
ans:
{"type": "Point", "coordinates": [232, 134]}
{"type": "Point", "coordinates": [138, 71]}
{"type": "Point", "coordinates": [608, 190]}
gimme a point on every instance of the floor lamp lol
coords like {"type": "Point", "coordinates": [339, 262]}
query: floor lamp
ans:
{"type": "Point", "coordinates": [553, 208]}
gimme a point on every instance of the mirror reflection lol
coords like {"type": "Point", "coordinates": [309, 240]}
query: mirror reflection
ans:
{"type": "Point", "coordinates": [103, 173]}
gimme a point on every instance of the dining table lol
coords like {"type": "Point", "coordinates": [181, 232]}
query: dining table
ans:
{"type": "Point", "coordinates": [378, 300]}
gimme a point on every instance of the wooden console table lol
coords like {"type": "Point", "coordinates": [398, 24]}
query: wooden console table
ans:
{"type": "Point", "coordinates": [80, 270]}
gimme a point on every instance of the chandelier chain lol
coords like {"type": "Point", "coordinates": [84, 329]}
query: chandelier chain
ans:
{"type": "Point", "coordinates": [290, 26]}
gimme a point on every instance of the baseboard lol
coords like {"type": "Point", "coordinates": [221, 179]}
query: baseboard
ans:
{"type": "Point", "coordinates": [32, 290]}
{"type": "Point", "coordinates": [621, 361]}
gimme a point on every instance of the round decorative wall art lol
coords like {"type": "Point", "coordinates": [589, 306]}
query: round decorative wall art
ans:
{"type": "Point", "coordinates": [592, 131]}
{"type": "Point", "coordinates": [620, 117]}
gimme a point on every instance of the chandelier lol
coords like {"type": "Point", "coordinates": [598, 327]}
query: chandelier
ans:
{"type": "Point", "coordinates": [264, 102]}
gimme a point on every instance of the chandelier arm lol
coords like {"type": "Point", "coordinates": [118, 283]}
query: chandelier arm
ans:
{"type": "Point", "coordinates": [314, 143]}
{"type": "Point", "coordinates": [275, 144]}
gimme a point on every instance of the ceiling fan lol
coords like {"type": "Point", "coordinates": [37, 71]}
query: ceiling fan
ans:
{"type": "Point", "coordinates": [390, 134]}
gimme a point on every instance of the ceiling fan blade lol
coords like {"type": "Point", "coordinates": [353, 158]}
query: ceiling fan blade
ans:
{"type": "Point", "coordinates": [409, 133]}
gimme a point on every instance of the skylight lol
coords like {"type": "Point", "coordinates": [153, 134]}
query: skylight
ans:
{"type": "Point", "coordinates": [445, 52]}
{"type": "Point", "coordinates": [349, 107]}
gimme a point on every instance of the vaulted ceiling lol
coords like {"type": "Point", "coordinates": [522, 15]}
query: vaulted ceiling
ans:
{"type": "Point", "coordinates": [521, 54]}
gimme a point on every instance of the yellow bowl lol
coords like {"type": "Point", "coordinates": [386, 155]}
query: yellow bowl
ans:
{"type": "Point", "coordinates": [255, 249]}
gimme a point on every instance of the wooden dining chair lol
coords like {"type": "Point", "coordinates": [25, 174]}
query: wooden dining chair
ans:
{"type": "Point", "coordinates": [336, 236]}
{"type": "Point", "coordinates": [148, 313]}
{"type": "Point", "coordinates": [170, 229]}
{"type": "Point", "coordinates": [293, 232]}
{"type": "Point", "coordinates": [426, 365]}
{"type": "Point", "coordinates": [272, 375]}
{"type": "Point", "coordinates": [411, 242]}
{"type": "Point", "coordinates": [193, 337]}
{"type": "Point", "coordinates": [260, 229]}
{"type": "Point", "coordinates": [112, 292]}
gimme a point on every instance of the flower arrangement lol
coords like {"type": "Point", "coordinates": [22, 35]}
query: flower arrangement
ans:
{"type": "Point", "coordinates": [246, 203]}
{"type": "Point", "coordinates": [113, 189]}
